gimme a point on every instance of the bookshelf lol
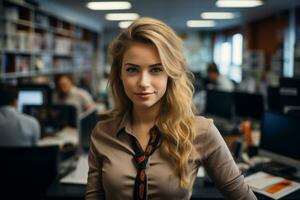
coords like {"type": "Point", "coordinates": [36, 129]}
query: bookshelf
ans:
{"type": "Point", "coordinates": [34, 42]}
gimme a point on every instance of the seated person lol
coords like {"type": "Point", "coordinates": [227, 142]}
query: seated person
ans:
{"type": "Point", "coordinates": [218, 81]}
{"type": "Point", "coordinates": [17, 129]}
{"type": "Point", "coordinates": [68, 93]}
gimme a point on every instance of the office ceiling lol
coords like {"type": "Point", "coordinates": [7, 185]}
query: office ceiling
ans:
{"type": "Point", "coordinates": [177, 12]}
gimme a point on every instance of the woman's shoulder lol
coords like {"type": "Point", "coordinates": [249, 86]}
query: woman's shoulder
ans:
{"type": "Point", "coordinates": [107, 126]}
{"type": "Point", "coordinates": [202, 124]}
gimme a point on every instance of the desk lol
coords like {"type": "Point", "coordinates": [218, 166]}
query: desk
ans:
{"type": "Point", "coordinates": [200, 191]}
{"type": "Point", "coordinates": [66, 135]}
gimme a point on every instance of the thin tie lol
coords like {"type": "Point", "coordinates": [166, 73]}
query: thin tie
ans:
{"type": "Point", "coordinates": [141, 158]}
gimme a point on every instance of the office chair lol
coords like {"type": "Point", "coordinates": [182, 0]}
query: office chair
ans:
{"type": "Point", "coordinates": [87, 125]}
{"type": "Point", "coordinates": [27, 172]}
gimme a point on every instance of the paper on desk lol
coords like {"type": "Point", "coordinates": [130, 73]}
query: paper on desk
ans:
{"type": "Point", "coordinates": [80, 174]}
{"type": "Point", "coordinates": [261, 180]}
{"type": "Point", "coordinates": [273, 188]}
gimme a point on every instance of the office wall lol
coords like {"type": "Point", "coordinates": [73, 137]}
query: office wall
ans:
{"type": "Point", "coordinates": [267, 35]}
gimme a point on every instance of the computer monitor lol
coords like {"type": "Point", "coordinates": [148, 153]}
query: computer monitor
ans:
{"type": "Point", "coordinates": [53, 118]}
{"type": "Point", "coordinates": [273, 99]}
{"type": "Point", "coordinates": [29, 97]}
{"type": "Point", "coordinates": [219, 103]}
{"type": "Point", "coordinates": [289, 89]}
{"type": "Point", "coordinates": [33, 94]}
{"type": "Point", "coordinates": [248, 105]}
{"type": "Point", "coordinates": [280, 138]}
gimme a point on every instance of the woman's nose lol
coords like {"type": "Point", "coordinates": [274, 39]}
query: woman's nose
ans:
{"type": "Point", "coordinates": [144, 81]}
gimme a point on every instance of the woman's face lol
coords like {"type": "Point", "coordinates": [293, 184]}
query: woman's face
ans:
{"type": "Point", "coordinates": [143, 76]}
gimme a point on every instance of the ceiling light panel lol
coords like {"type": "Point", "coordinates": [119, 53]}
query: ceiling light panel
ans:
{"type": "Point", "coordinates": [218, 15]}
{"type": "Point", "coordinates": [121, 16]}
{"type": "Point", "coordinates": [201, 23]}
{"type": "Point", "coordinates": [238, 3]}
{"type": "Point", "coordinates": [109, 5]}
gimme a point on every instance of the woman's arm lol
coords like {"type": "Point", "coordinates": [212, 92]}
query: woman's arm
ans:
{"type": "Point", "coordinates": [222, 169]}
{"type": "Point", "coordinates": [94, 186]}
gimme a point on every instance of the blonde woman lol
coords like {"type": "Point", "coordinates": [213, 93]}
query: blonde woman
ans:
{"type": "Point", "coordinates": [153, 145]}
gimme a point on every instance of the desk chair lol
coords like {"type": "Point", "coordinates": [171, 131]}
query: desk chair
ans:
{"type": "Point", "coordinates": [87, 124]}
{"type": "Point", "coordinates": [27, 172]}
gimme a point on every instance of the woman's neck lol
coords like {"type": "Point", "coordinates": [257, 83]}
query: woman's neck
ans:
{"type": "Point", "coordinates": [145, 116]}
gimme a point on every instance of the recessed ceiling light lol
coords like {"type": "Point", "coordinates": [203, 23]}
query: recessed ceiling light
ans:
{"type": "Point", "coordinates": [109, 5]}
{"type": "Point", "coordinates": [124, 24]}
{"type": "Point", "coordinates": [239, 3]}
{"type": "Point", "coordinates": [218, 15]}
{"type": "Point", "coordinates": [201, 23]}
{"type": "Point", "coordinates": [121, 16]}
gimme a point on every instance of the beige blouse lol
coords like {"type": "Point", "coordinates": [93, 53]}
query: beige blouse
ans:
{"type": "Point", "coordinates": [112, 169]}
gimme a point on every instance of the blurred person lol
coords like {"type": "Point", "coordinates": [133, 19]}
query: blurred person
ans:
{"type": "Point", "coordinates": [68, 93]}
{"type": "Point", "coordinates": [248, 83]}
{"type": "Point", "coordinates": [217, 80]}
{"type": "Point", "coordinates": [17, 129]}
{"type": "Point", "coordinates": [153, 144]}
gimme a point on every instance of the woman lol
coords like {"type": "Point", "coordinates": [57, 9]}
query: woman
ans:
{"type": "Point", "coordinates": [153, 145]}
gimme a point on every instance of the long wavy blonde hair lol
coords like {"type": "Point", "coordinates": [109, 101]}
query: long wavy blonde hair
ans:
{"type": "Point", "coordinates": [176, 121]}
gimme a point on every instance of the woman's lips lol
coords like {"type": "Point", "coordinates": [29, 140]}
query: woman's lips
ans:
{"type": "Point", "coordinates": [144, 94]}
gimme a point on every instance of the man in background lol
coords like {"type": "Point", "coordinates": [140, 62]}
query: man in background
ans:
{"type": "Point", "coordinates": [17, 129]}
{"type": "Point", "coordinates": [218, 81]}
{"type": "Point", "coordinates": [68, 93]}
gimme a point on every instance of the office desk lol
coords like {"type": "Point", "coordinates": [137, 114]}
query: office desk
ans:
{"type": "Point", "coordinates": [67, 135]}
{"type": "Point", "coordinates": [200, 191]}
{"type": "Point", "coordinates": [68, 191]}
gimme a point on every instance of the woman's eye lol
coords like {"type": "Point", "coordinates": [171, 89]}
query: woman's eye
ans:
{"type": "Point", "coordinates": [156, 70]}
{"type": "Point", "coordinates": [131, 70]}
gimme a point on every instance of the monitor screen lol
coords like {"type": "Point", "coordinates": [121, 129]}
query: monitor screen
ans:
{"type": "Point", "coordinates": [53, 118]}
{"type": "Point", "coordinates": [248, 105]}
{"type": "Point", "coordinates": [29, 97]}
{"type": "Point", "coordinates": [273, 99]}
{"type": "Point", "coordinates": [280, 137]}
{"type": "Point", "coordinates": [219, 103]}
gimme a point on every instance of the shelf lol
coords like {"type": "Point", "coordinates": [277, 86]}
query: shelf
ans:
{"type": "Point", "coordinates": [19, 22]}
{"type": "Point", "coordinates": [29, 52]}
{"type": "Point", "coordinates": [58, 55]}
{"type": "Point", "coordinates": [12, 75]}
{"type": "Point", "coordinates": [37, 43]}
{"type": "Point", "coordinates": [19, 3]}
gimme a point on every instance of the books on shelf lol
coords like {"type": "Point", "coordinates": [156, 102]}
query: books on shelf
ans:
{"type": "Point", "coordinates": [271, 186]}
{"type": "Point", "coordinates": [42, 20]}
{"type": "Point", "coordinates": [22, 64]}
{"type": "Point", "coordinates": [24, 41]}
{"type": "Point", "coordinates": [11, 13]}
{"type": "Point", "coordinates": [62, 46]}
{"type": "Point", "coordinates": [34, 42]}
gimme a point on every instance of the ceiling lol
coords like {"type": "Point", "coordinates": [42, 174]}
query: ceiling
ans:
{"type": "Point", "coordinates": [177, 12]}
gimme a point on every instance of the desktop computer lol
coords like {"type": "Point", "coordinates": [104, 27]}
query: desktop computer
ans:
{"type": "Point", "coordinates": [220, 107]}
{"type": "Point", "coordinates": [33, 95]}
{"type": "Point", "coordinates": [248, 105]}
{"type": "Point", "coordinates": [289, 89]}
{"type": "Point", "coordinates": [280, 141]}
{"type": "Point", "coordinates": [53, 118]}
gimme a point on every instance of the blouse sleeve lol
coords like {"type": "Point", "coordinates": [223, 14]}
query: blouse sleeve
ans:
{"type": "Point", "coordinates": [221, 167]}
{"type": "Point", "coordinates": [94, 188]}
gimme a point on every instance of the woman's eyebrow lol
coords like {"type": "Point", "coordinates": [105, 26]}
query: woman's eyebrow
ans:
{"type": "Point", "coordinates": [153, 65]}
{"type": "Point", "coordinates": [156, 65]}
{"type": "Point", "coordinates": [131, 64]}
